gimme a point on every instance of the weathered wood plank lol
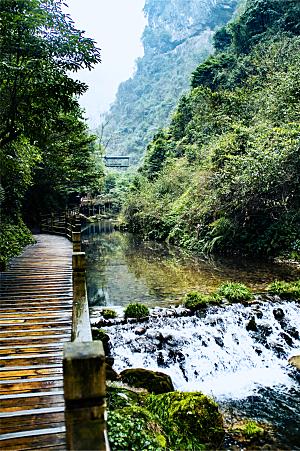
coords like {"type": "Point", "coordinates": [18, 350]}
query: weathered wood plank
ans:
{"type": "Point", "coordinates": [35, 322]}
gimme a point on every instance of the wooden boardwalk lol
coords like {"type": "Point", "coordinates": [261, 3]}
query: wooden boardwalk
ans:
{"type": "Point", "coordinates": [35, 322]}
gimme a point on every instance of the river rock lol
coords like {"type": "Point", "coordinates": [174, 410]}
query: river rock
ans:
{"type": "Point", "coordinates": [278, 314]}
{"type": "Point", "coordinates": [111, 374]}
{"type": "Point", "coordinates": [153, 381]}
{"type": "Point", "coordinates": [295, 361]}
{"type": "Point", "coordinates": [140, 331]}
{"type": "Point", "coordinates": [251, 326]}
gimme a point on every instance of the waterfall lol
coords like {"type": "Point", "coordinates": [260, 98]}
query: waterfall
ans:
{"type": "Point", "coordinates": [226, 352]}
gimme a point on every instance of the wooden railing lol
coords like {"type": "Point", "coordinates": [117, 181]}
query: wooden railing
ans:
{"type": "Point", "coordinates": [84, 359]}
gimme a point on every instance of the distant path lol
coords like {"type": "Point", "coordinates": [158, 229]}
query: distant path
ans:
{"type": "Point", "coordinates": [35, 321]}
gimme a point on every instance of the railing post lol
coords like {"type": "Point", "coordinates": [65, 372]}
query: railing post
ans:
{"type": "Point", "coordinates": [84, 390]}
{"type": "Point", "coordinates": [76, 240]}
{"type": "Point", "coordinates": [52, 222]}
{"type": "Point", "coordinates": [80, 305]}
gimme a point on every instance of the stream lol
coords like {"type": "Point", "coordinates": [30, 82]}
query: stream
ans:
{"type": "Point", "coordinates": [236, 354]}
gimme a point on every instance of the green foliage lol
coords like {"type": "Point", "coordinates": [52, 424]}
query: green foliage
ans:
{"type": "Point", "coordinates": [108, 313]}
{"type": "Point", "coordinates": [287, 290]}
{"type": "Point", "coordinates": [133, 428]}
{"type": "Point", "coordinates": [190, 420]}
{"type": "Point", "coordinates": [196, 301]}
{"type": "Point", "coordinates": [234, 292]}
{"type": "Point", "coordinates": [13, 238]}
{"type": "Point", "coordinates": [232, 148]}
{"type": "Point", "coordinates": [136, 310]}
{"type": "Point", "coordinates": [252, 431]}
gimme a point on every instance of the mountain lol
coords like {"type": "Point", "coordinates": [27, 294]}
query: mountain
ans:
{"type": "Point", "coordinates": [224, 176]}
{"type": "Point", "coordinates": [177, 38]}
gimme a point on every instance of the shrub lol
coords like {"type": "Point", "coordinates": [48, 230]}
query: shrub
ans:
{"type": "Point", "coordinates": [251, 430]}
{"type": "Point", "coordinates": [196, 301]}
{"type": "Point", "coordinates": [134, 428]}
{"type": "Point", "coordinates": [13, 238]}
{"type": "Point", "coordinates": [289, 290]}
{"type": "Point", "coordinates": [190, 420]}
{"type": "Point", "coordinates": [235, 292]}
{"type": "Point", "coordinates": [108, 313]}
{"type": "Point", "coordinates": [136, 310]}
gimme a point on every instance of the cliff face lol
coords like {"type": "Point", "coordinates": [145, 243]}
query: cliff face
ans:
{"type": "Point", "coordinates": [177, 38]}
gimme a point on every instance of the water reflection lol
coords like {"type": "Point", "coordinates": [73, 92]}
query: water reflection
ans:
{"type": "Point", "coordinates": [121, 268]}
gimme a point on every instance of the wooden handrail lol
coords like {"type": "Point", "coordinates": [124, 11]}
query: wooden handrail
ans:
{"type": "Point", "coordinates": [84, 360]}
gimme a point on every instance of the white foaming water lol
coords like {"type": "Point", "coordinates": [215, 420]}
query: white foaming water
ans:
{"type": "Point", "coordinates": [219, 353]}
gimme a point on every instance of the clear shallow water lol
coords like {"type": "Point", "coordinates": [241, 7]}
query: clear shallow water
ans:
{"type": "Point", "coordinates": [122, 269]}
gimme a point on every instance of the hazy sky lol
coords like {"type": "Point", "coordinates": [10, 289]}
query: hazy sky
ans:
{"type": "Point", "coordinates": [117, 26]}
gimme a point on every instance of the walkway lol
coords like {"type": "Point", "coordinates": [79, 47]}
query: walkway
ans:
{"type": "Point", "coordinates": [35, 321]}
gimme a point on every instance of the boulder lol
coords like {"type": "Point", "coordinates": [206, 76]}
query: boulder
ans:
{"type": "Point", "coordinates": [295, 361]}
{"type": "Point", "coordinates": [153, 381]}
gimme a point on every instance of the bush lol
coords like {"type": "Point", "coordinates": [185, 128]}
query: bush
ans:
{"type": "Point", "coordinates": [289, 290]}
{"type": "Point", "coordinates": [235, 292]}
{"type": "Point", "coordinates": [13, 238]}
{"type": "Point", "coordinates": [108, 313]}
{"type": "Point", "coordinates": [134, 428]}
{"type": "Point", "coordinates": [136, 310]}
{"type": "Point", "coordinates": [190, 420]}
{"type": "Point", "coordinates": [196, 301]}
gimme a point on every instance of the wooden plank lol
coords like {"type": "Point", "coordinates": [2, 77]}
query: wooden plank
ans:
{"type": "Point", "coordinates": [35, 322]}
{"type": "Point", "coordinates": [33, 422]}
{"type": "Point", "coordinates": [34, 443]}
{"type": "Point", "coordinates": [25, 386]}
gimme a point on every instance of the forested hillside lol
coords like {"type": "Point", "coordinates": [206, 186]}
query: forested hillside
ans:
{"type": "Point", "coordinates": [225, 176]}
{"type": "Point", "coordinates": [176, 39]}
{"type": "Point", "coordinates": [47, 155]}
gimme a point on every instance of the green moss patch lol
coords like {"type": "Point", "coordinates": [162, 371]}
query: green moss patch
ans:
{"type": "Point", "coordinates": [136, 310]}
{"type": "Point", "coordinates": [190, 420]}
{"type": "Point", "coordinates": [196, 301]}
{"type": "Point", "coordinates": [234, 292]}
{"type": "Point", "coordinates": [287, 290]}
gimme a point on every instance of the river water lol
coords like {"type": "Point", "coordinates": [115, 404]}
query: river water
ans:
{"type": "Point", "coordinates": [245, 369]}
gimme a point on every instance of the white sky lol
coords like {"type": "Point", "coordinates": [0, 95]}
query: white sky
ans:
{"type": "Point", "coordinates": [116, 26]}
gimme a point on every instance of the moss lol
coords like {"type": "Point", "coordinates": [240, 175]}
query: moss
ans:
{"type": "Point", "coordinates": [248, 432]}
{"type": "Point", "coordinates": [118, 398]}
{"type": "Point", "coordinates": [234, 292]}
{"type": "Point", "coordinates": [108, 313]}
{"type": "Point", "coordinates": [136, 310]}
{"type": "Point", "coordinates": [153, 381]}
{"type": "Point", "coordinates": [190, 420]}
{"type": "Point", "coordinates": [196, 301]}
{"type": "Point", "coordinates": [287, 290]}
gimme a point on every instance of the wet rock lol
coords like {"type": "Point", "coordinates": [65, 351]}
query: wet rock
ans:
{"type": "Point", "coordinates": [258, 314]}
{"type": "Point", "coordinates": [251, 326]}
{"type": "Point", "coordinates": [265, 330]}
{"type": "Point", "coordinates": [295, 361]}
{"type": "Point", "coordinates": [111, 374]}
{"type": "Point", "coordinates": [278, 314]}
{"type": "Point", "coordinates": [140, 331]}
{"type": "Point", "coordinates": [287, 338]}
{"type": "Point", "coordinates": [153, 381]}
{"type": "Point", "coordinates": [219, 341]}
{"type": "Point", "coordinates": [293, 332]}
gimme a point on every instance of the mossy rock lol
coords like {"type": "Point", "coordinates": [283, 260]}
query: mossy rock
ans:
{"type": "Point", "coordinates": [197, 301]}
{"type": "Point", "coordinates": [153, 381]}
{"type": "Point", "coordinates": [119, 397]}
{"type": "Point", "coordinates": [134, 428]}
{"type": "Point", "coordinates": [235, 292]}
{"type": "Point", "coordinates": [286, 290]}
{"type": "Point", "coordinates": [108, 313]}
{"type": "Point", "coordinates": [136, 310]}
{"type": "Point", "coordinates": [190, 420]}
{"type": "Point", "coordinates": [99, 334]}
